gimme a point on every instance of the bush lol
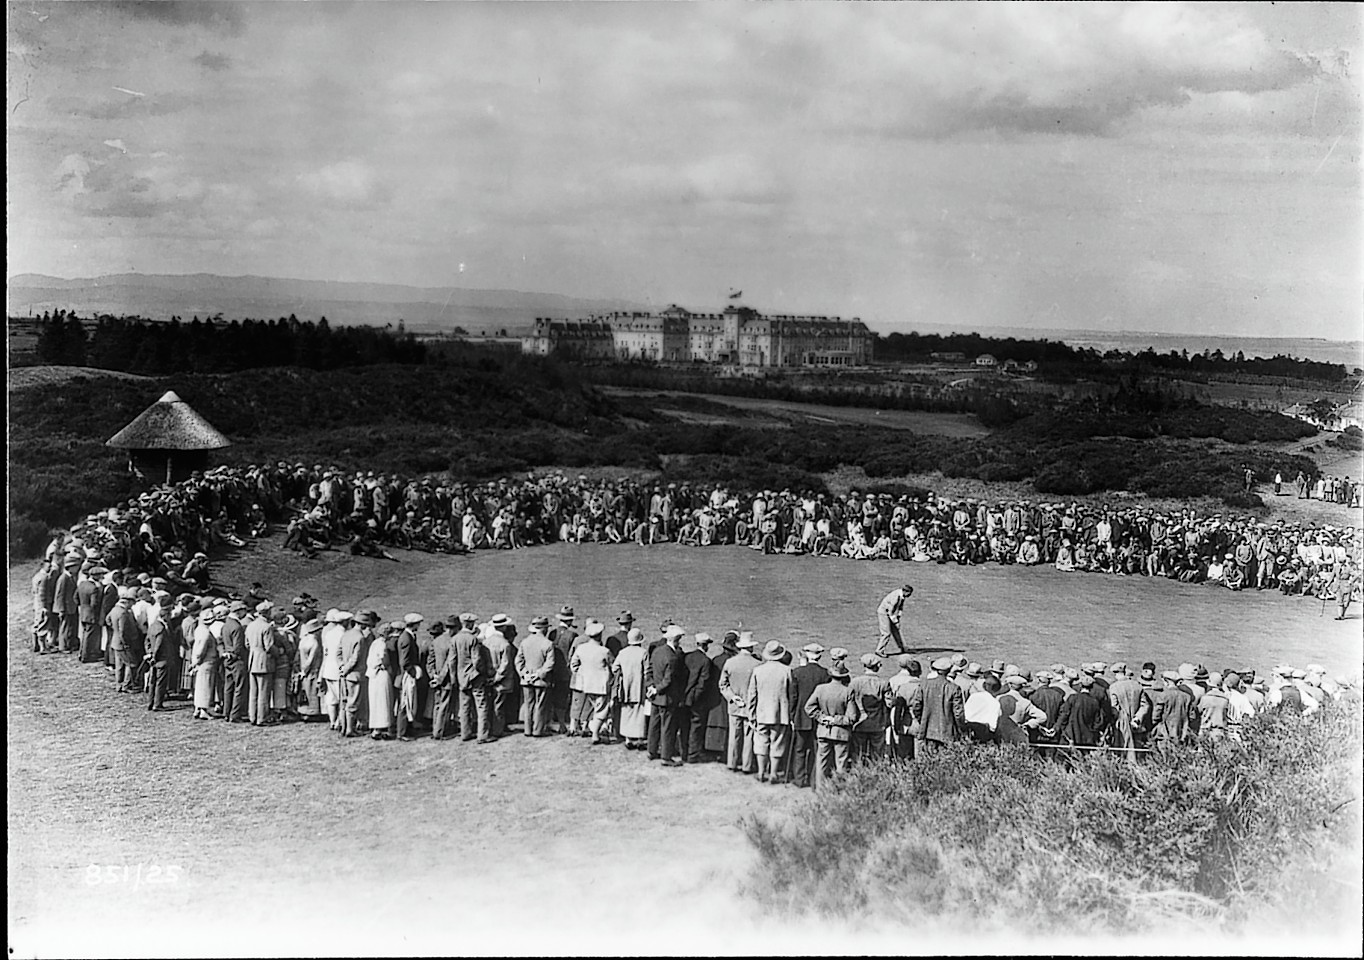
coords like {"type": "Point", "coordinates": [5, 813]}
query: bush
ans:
{"type": "Point", "coordinates": [1210, 830]}
{"type": "Point", "coordinates": [27, 537]}
{"type": "Point", "coordinates": [742, 474]}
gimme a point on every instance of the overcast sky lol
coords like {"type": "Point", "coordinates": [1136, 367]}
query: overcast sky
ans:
{"type": "Point", "coordinates": [1166, 167]}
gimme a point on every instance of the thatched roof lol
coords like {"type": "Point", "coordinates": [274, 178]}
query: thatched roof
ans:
{"type": "Point", "coordinates": [169, 424]}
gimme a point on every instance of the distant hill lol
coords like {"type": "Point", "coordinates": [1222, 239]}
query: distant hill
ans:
{"type": "Point", "coordinates": [432, 309]}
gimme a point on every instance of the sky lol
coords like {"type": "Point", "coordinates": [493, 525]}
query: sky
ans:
{"type": "Point", "coordinates": [1165, 167]}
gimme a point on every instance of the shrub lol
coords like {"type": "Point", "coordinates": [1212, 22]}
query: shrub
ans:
{"type": "Point", "coordinates": [1209, 830]}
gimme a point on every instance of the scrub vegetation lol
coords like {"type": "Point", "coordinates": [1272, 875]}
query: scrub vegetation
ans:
{"type": "Point", "coordinates": [476, 414]}
{"type": "Point", "coordinates": [1261, 835]}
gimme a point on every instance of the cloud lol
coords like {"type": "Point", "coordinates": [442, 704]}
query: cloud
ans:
{"type": "Point", "coordinates": [117, 145]}
{"type": "Point", "coordinates": [123, 185]}
{"type": "Point", "coordinates": [347, 183]}
{"type": "Point", "coordinates": [213, 62]}
{"type": "Point", "coordinates": [1053, 68]}
{"type": "Point", "coordinates": [122, 107]}
{"type": "Point", "coordinates": [218, 15]}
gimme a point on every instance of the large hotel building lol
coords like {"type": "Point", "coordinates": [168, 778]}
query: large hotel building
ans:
{"type": "Point", "coordinates": [739, 336]}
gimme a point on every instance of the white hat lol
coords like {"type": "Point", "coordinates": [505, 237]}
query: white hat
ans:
{"type": "Point", "coordinates": [412, 619]}
{"type": "Point", "coordinates": [746, 641]}
{"type": "Point", "coordinates": [595, 628]}
{"type": "Point", "coordinates": [673, 632]}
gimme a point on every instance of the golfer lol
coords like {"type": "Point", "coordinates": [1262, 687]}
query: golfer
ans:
{"type": "Point", "coordinates": [888, 617]}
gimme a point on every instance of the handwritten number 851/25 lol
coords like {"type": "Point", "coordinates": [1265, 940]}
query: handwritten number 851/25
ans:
{"type": "Point", "coordinates": [141, 873]}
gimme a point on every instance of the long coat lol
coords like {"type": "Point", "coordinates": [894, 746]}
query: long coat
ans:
{"type": "Point", "coordinates": [738, 670]}
{"type": "Point", "coordinates": [771, 694]}
{"type": "Point", "coordinates": [667, 675]}
{"type": "Point", "coordinates": [536, 661]}
{"type": "Point", "coordinates": [807, 677]}
{"type": "Point", "coordinates": [591, 665]}
{"type": "Point", "coordinates": [940, 709]}
{"type": "Point", "coordinates": [629, 667]}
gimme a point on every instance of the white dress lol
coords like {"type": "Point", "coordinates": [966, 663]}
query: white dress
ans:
{"type": "Point", "coordinates": [380, 687]}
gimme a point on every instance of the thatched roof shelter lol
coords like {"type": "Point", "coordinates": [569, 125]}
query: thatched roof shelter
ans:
{"type": "Point", "coordinates": [169, 424]}
{"type": "Point", "coordinates": [168, 436]}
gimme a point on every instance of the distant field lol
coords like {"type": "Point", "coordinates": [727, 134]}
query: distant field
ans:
{"type": "Point", "coordinates": [22, 378]}
{"type": "Point", "coordinates": [962, 425]}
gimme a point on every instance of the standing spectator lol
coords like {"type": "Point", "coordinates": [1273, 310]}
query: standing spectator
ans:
{"type": "Point", "coordinates": [835, 711]}
{"type": "Point", "coordinates": [806, 678]}
{"type": "Point", "coordinates": [666, 685]}
{"type": "Point", "coordinates": [771, 709]}
{"type": "Point", "coordinates": [473, 672]}
{"type": "Point", "coordinates": [875, 699]}
{"type": "Point", "coordinates": [939, 709]}
{"type": "Point", "coordinates": [504, 683]}
{"type": "Point", "coordinates": [629, 671]}
{"type": "Point", "coordinates": [696, 700]}
{"type": "Point", "coordinates": [734, 688]}
{"type": "Point", "coordinates": [535, 665]}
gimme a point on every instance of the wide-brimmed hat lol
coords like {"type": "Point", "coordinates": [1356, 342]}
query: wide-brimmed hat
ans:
{"type": "Point", "coordinates": [1187, 671]}
{"type": "Point", "coordinates": [773, 650]}
{"type": "Point", "coordinates": [540, 621]}
{"type": "Point", "coordinates": [973, 670]}
{"type": "Point", "coordinates": [502, 620]}
{"type": "Point", "coordinates": [942, 664]}
{"type": "Point", "coordinates": [595, 628]}
{"type": "Point", "coordinates": [746, 641]}
{"type": "Point", "coordinates": [626, 618]}
{"type": "Point", "coordinates": [565, 612]}
{"type": "Point", "coordinates": [673, 631]}
{"type": "Point", "coordinates": [634, 637]}
{"type": "Point", "coordinates": [368, 617]}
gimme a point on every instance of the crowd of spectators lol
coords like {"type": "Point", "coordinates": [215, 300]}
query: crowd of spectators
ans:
{"type": "Point", "coordinates": [171, 531]}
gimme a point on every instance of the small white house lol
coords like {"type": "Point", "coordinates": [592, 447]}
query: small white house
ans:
{"type": "Point", "coordinates": [986, 360]}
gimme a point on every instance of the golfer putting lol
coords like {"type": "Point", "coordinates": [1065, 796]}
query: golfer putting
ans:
{"type": "Point", "coordinates": [888, 616]}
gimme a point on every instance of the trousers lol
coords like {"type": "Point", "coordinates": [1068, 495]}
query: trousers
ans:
{"type": "Point", "coordinates": [124, 670]}
{"type": "Point", "coordinates": [354, 690]}
{"type": "Point", "coordinates": [236, 683]}
{"type": "Point", "coordinates": [90, 637]}
{"type": "Point", "coordinates": [504, 710]}
{"type": "Point", "coordinates": [868, 744]}
{"type": "Point", "coordinates": [442, 702]}
{"type": "Point", "coordinates": [804, 745]}
{"type": "Point", "coordinates": [770, 742]}
{"type": "Point", "coordinates": [159, 680]}
{"type": "Point", "coordinates": [66, 632]}
{"type": "Point", "coordinates": [831, 757]}
{"type": "Point", "coordinates": [475, 712]}
{"type": "Point", "coordinates": [693, 733]}
{"type": "Point", "coordinates": [739, 756]}
{"type": "Point", "coordinates": [262, 684]}
{"type": "Point", "coordinates": [664, 728]}
{"type": "Point", "coordinates": [538, 710]}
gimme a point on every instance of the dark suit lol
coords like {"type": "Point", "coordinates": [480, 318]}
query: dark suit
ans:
{"type": "Point", "coordinates": [236, 675]}
{"type": "Point", "coordinates": [440, 664]}
{"type": "Point", "coordinates": [1083, 718]}
{"type": "Point", "coordinates": [109, 597]}
{"type": "Point", "coordinates": [668, 676]}
{"type": "Point", "coordinates": [806, 678]}
{"type": "Point", "coordinates": [67, 609]}
{"type": "Point", "coordinates": [89, 598]}
{"type": "Point", "coordinates": [409, 657]}
{"type": "Point", "coordinates": [695, 706]}
{"type": "Point", "coordinates": [472, 670]}
{"type": "Point", "coordinates": [163, 651]}
{"type": "Point", "coordinates": [941, 711]}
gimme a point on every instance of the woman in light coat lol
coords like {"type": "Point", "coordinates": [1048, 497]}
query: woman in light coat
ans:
{"type": "Point", "coordinates": [309, 670]}
{"type": "Point", "coordinates": [380, 673]}
{"type": "Point", "coordinates": [204, 657]}
{"type": "Point", "coordinates": [629, 672]}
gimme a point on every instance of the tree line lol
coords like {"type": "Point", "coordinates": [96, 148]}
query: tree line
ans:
{"type": "Point", "coordinates": [138, 345]}
{"type": "Point", "coordinates": [1055, 357]}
